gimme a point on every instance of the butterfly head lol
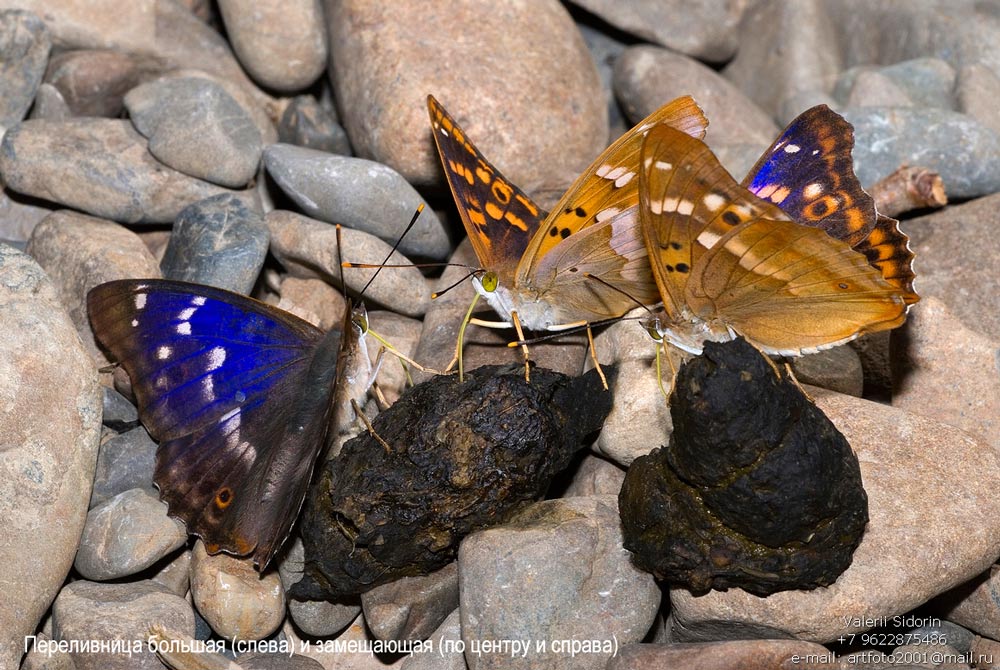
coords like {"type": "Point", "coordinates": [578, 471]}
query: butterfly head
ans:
{"type": "Point", "coordinates": [486, 282]}
{"type": "Point", "coordinates": [359, 319]}
{"type": "Point", "coordinates": [653, 328]}
{"type": "Point", "coordinates": [687, 331]}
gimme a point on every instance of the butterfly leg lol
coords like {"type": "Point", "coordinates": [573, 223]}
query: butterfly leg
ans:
{"type": "Point", "coordinates": [774, 366]}
{"type": "Point", "coordinates": [791, 375]}
{"type": "Point", "coordinates": [659, 372]}
{"type": "Point", "coordinates": [670, 353]}
{"type": "Point", "coordinates": [380, 398]}
{"type": "Point", "coordinates": [377, 366]}
{"type": "Point", "coordinates": [404, 360]}
{"type": "Point", "coordinates": [524, 347]}
{"type": "Point", "coordinates": [461, 340]}
{"type": "Point", "coordinates": [777, 371]}
{"type": "Point", "coordinates": [593, 357]}
{"type": "Point", "coordinates": [368, 425]}
{"type": "Point", "coordinates": [663, 345]}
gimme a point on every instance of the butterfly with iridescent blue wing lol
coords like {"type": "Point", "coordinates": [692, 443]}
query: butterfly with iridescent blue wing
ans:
{"type": "Point", "coordinates": [796, 259]}
{"type": "Point", "coordinates": [808, 171]}
{"type": "Point", "coordinates": [241, 396]}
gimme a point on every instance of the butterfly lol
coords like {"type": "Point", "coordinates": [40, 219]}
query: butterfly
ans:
{"type": "Point", "coordinates": [241, 396]}
{"type": "Point", "coordinates": [728, 261]}
{"type": "Point", "coordinates": [808, 171]}
{"type": "Point", "coordinates": [582, 263]}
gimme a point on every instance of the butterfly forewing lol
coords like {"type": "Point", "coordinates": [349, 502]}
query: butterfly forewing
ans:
{"type": "Point", "coordinates": [236, 392]}
{"type": "Point", "coordinates": [809, 173]}
{"type": "Point", "coordinates": [688, 202]}
{"type": "Point", "coordinates": [610, 186]}
{"type": "Point", "coordinates": [499, 218]}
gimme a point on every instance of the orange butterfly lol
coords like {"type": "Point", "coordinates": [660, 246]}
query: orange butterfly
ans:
{"type": "Point", "coordinates": [582, 263]}
{"type": "Point", "coordinates": [728, 262]}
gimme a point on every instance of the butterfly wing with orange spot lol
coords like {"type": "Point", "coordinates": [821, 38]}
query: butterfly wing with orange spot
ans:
{"type": "Point", "coordinates": [610, 186]}
{"type": "Point", "coordinates": [687, 203]}
{"type": "Point", "coordinates": [887, 249]}
{"type": "Point", "coordinates": [499, 218]}
{"type": "Point", "coordinates": [809, 173]}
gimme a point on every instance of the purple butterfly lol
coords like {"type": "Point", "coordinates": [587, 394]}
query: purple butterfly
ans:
{"type": "Point", "coordinates": [240, 395]}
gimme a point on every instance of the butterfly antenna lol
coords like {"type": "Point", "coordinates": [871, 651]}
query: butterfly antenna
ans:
{"type": "Point", "coordinates": [618, 290]}
{"type": "Point", "coordinates": [395, 246]}
{"type": "Point", "coordinates": [472, 272]}
{"type": "Point", "coordinates": [340, 260]}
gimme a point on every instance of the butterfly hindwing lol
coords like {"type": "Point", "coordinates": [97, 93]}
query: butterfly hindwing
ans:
{"type": "Point", "coordinates": [792, 289]}
{"type": "Point", "coordinates": [809, 172]}
{"type": "Point", "coordinates": [600, 272]}
{"type": "Point", "coordinates": [499, 218]}
{"type": "Point", "coordinates": [237, 392]}
{"type": "Point", "coordinates": [887, 249]}
{"type": "Point", "coordinates": [729, 260]}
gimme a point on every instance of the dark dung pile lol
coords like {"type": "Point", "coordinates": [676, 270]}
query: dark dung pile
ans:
{"type": "Point", "coordinates": [452, 458]}
{"type": "Point", "coordinates": [757, 489]}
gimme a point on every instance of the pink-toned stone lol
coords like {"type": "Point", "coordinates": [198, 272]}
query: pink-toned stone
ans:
{"type": "Point", "coordinates": [516, 75]}
{"type": "Point", "coordinates": [94, 81]}
{"type": "Point", "coordinates": [50, 427]}
{"type": "Point", "coordinates": [281, 44]}
{"type": "Point", "coordinates": [595, 476]}
{"type": "Point", "coordinates": [941, 353]}
{"type": "Point", "coordinates": [235, 599]}
{"type": "Point", "coordinates": [933, 525]}
{"type": "Point", "coordinates": [412, 608]}
{"type": "Point", "coordinates": [965, 234]}
{"type": "Point", "coordinates": [314, 300]}
{"type": "Point", "coordinates": [79, 252]}
{"type": "Point", "coordinates": [974, 605]}
{"type": "Point", "coordinates": [640, 417]}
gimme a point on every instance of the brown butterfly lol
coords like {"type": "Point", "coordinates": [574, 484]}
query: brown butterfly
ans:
{"type": "Point", "coordinates": [728, 262]}
{"type": "Point", "coordinates": [583, 262]}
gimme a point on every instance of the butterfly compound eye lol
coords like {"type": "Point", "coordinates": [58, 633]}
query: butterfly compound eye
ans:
{"type": "Point", "coordinates": [360, 319]}
{"type": "Point", "coordinates": [653, 328]}
{"type": "Point", "coordinates": [490, 281]}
